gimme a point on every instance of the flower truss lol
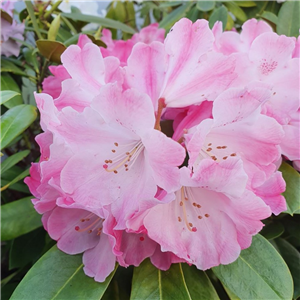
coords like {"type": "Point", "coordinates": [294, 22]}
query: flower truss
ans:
{"type": "Point", "coordinates": [114, 183]}
{"type": "Point", "coordinates": [10, 30]}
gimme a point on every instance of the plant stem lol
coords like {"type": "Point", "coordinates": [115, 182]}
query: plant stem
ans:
{"type": "Point", "coordinates": [53, 8]}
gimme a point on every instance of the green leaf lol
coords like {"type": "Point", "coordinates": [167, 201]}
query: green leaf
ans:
{"type": "Point", "coordinates": [292, 192]}
{"type": "Point", "coordinates": [98, 20]}
{"type": "Point", "coordinates": [18, 217]}
{"type": "Point", "coordinates": [120, 11]}
{"type": "Point", "coordinates": [7, 83]}
{"type": "Point", "coordinates": [18, 178]}
{"type": "Point", "coordinates": [12, 160]}
{"type": "Point", "coordinates": [8, 66]}
{"type": "Point", "coordinates": [54, 27]}
{"type": "Point", "coordinates": [15, 121]}
{"type": "Point", "coordinates": [272, 230]}
{"type": "Point", "coordinates": [52, 50]}
{"type": "Point", "coordinates": [292, 259]}
{"type": "Point", "coordinates": [258, 273]}
{"type": "Point", "coordinates": [35, 25]}
{"type": "Point", "coordinates": [175, 15]}
{"type": "Point", "coordinates": [179, 282]}
{"type": "Point", "coordinates": [270, 17]}
{"type": "Point", "coordinates": [289, 18]}
{"type": "Point", "coordinates": [245, 3]}
{"type": "Point", "coordinates": [7, 95]}
{"type": "Point", "coordinates": [27, 248]}
{"type": "Point", "coordinates": [219, 14]}
{"type": "Point", "coordinates": [205, 5]}
{"type": "Point", "coordinates": [58, 275]}
{"type": "Point", "coordinates": [236, 10]}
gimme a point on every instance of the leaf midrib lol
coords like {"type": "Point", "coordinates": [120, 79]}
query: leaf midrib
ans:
{"type": "Point", "coordinates": [259, 276]}
{"type": "Point", "coordinates": [65, 284]}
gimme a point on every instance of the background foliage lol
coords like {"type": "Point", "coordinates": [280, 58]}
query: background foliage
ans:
{"type": "Point", "coordinates": [269, 269]}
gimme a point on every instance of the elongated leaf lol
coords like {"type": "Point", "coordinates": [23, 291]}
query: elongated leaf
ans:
{"type": "Point", "coordinates": [8, 66]}
{"type": "Point", "coordinates": [236, 10]}
{"type": "Point", "coordinates": [18, 217]}
{"type": "Point", "coordinates": [59, 276]}
{"type": "Point", "coordinates": [289, 18]}
{"type": "Point", "coordinates": [52, 50]}
{"type": "Point", "coordinates": [205, 5]}
{"type": "Point", "coordinates": [292, 192]}
{"type": "Point", "coordinates": [174, 16]}
{"type": "Point", "coordinates": [12, 160]}
{"type": "Point", "coordinates": [54, 27]}
{"type": "Point", "coordinates": [292, 258]}
{"type": "Point", "coordinates": [272, 230]}
{"type": "Point", "coordinates": [259, 273]}
{"type": "Point", "coordinates": [7, 83]}
{"type": "Point", "coordinates": [245, 3]}
{"type": "Point", "coordinates": [179, 282]}
{"type": "Point", "coordinates": [18, 178]}
{"type": "Point", "coordinates": [15, 121]}
{"type": "Point", "coordinates": [98, 20]}
{"type": "Point", "coordinates": [270, 17]}
{"type": "Point", "coordinates": [7, 95]}
{"type": "Point", "coordinates": [219, 14]}
{"type": "Point", "coordinates": [27, 248]}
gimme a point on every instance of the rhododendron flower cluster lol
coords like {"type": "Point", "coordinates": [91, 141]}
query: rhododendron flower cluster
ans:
{"type": "Point", "coordinates": [10, 30]}
{"type": "Point", "coordinates": [166, 149]}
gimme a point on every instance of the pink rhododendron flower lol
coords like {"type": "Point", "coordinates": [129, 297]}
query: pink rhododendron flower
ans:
{"type": "Point", "coordinates": [9, 31]}
{"type": "Point", "coordinates": [212, 218]}
{"type": "Point", "coordinates": [122, 49]}
{"type": "Point", "coordinates": [184, 70]}
{"type": "Point", "coordinates": [133, 153]}
{"type": "Point", "coordinates": [114, 184]}
{"type": "Point", "coordinates": [271, 59]}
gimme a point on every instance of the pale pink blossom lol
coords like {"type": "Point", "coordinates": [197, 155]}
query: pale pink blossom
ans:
{"type": "Point", "coordinates": [184, 70]}
{"type": "Point", "coordinates": [212, 218]}
{"type": "Point", "coordinates": [9, 31]}
{"type": "Point", "coordinates": [122, 49]}
{"type": "Point", "coordinates": [122, 157]}
{"type": "Point", "coordinates": [267, 57]}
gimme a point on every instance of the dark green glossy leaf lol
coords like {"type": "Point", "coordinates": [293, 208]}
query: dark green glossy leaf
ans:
{"type": "Point", "coordinates": [7, 83]}
{"type": "Point", "coordinates": [289, 18]}
{"type": "Point", "coordinates": [292, 192]}
{"type": "Point", "coordinates": [8, 66]}
{"type": "Point", "coordinates": [52, 50]}
{"type": "Point", "coordinates": [219, 14]}
{"type": "Point", "coordinates": [58, 275]}
{"type": "Point", "coordinates": [18, 217]}
{"type": "Point", "coordinates": [27, 248]}
{"type": "Point", "coordinates": [12, 160]}
{"type": "Point", "coordinates": [205, 5]}
{"type": "Point", "coordinates": [292, 258]}
{"type": "Point", "coordinates": [15, 121]}
{"type": "Point", "coordinates": [175, 15]}
{"type": "Point", "coordinates": [272, 230]}
{"type": "Point", "coordinates": [270, 17]}
{"type": "Point", "coordinates": [98, 20]}
{"type": "Point", "coordinates": [7, 95]}
{"type": "Point", "coordinates": [15, 180]}
{"type": "Point", "coordinates": [258, 273]}
{"type": "Point", "coordinates": [180, 282]}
